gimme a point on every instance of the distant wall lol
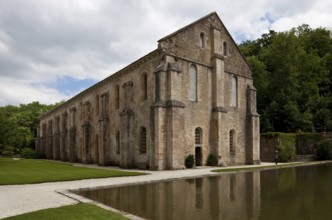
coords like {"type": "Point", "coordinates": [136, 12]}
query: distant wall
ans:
{"type": "Point", "coordinates": [305, 144]}
{"type": "Point", "coordinates": [268, 145]}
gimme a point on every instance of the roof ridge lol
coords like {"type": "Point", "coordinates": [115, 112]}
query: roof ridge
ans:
{"type": "Point", "coordinates": [189, 25]}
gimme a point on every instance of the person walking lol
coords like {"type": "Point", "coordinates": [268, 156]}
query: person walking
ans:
{"type": "Point", "coordinates": [276, 157]}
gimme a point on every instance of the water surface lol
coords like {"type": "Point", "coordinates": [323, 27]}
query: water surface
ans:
{"type": "Point", "coordinates": [288, 193]}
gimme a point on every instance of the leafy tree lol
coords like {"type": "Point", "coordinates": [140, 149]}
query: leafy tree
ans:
{"type": "Point", "coordinates": [292, 72]}
{"type": "Point", "coordinates": [18, 124]}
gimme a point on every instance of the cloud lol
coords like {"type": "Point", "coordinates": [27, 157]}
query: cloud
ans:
{"type": "Point", "coordinates": [44, 42]}
{"type": "Point", "coordinates": [15, 92]}
{"type": "Point", "coordinates": [316, 14]}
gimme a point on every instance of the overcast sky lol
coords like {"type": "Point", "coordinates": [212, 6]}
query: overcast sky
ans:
{"type": "Point", "coordinates": [52, 49]}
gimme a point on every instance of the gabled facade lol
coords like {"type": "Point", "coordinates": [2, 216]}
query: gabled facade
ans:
{"type": "Point", "coordinates": [194, 95]}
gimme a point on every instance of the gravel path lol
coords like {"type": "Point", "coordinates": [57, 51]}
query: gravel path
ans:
{"type": "Point", "coordinates": [19, 199]}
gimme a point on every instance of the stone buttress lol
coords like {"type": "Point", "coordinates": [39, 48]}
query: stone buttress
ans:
{"type": "Point", "coordinates": [168, 117]}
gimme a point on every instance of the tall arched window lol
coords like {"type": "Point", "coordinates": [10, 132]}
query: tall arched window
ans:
{"type": "Point", "coordinates": [97, 104]}
{"type": "Point", "coordinates": [231, 141]}
{"type": "Point", "coordinates": [198, 136]}
{"type": "Point", "coordinates": [225, 49]}
{"type": "Point", "coordinates": [145, 86]}
{"type": "Point", "coordinates": [192, 83]}
{"type": "Point", "coordinates": [202, 40]}
{"type": "Point", "coordinates": [117, 96]}
{"type": "Point", "coordinates": [142, 142]}
{"type": "Point", "coordinates": [117, 142]}
{"type": "Point", "coordinates": [234, 91]}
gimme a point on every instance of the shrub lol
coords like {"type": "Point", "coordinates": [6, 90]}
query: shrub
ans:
{"type": "Point", "coordinates": [286, 147]}
{"type": "Point", "coordinates": [189, 161]}
{"type": "Point", "coordinates": [30, 153]}
{"type": "Point", "coordinates": [324, 150]}
{"type": "Point", "coordinates": [212, 160]}
{"type": "Point", "coordinates": [8, 151]}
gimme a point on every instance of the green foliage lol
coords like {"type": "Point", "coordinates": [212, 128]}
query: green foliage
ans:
{"type": "Point", "coordinates": [324, 150]}
{"type": "Point", "coordinates": [81, 211]}
{"type": "Point", "coordinates": [8, 151]}
{"type": "Point", "coordinates": [270, 134]}
{"type": "Point", "coordinates": [189, 161]}
{"type": "Point", "coordinates": [286, 147]}
{"type": "Point", "coordinates": [308, 136]}
{"type": "Point", "coordinates": [30, 153]}
{"type": "Point", "coordinates": [212, 160]}
{"type": "Point", "coordinates": [18, 125]}
{"type": "Point", "coordinates": [292, 72]}
{"type": "Point", "coordinates": [27, 171]}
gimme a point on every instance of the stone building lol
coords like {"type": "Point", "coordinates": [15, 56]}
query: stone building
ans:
{"type": "Point", "coordinates": [194, 95]}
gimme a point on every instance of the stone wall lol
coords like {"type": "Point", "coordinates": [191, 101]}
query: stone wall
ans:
{"type": "Point", "coordinates": [305, 144]}
{"type": "Point", "coordinates": [268, 146]}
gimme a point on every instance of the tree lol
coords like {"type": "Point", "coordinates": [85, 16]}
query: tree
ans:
{"type": "Point", "coordinates": [292, 72]}
{"type": "Point", "coordinates": [18, 125]}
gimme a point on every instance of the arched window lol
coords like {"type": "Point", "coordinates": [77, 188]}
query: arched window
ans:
{"type": "Point", "coordinates": [145, 86]}
{"type": "Point", "coordinates": [202, 40]}
{"type": "Point", "coordinates": [43, 133]}
{"type": "Point", "coordinates": [225, 49]}
{"type": "Point", "coordinates": [117, 142]}
{"type": "Point", "coordinates": [157, 87]}
{"type": "Point", "coordinates": [97, 104]}
{"type": "Point", "coordinates": [142, 141]}
{"type": "Point", "coordinates": [198, 136]}
{"type": "Point", "coordinates": [231, 141]}
{"type": "Point", "coordinates": [234, 91]}
{"type": "Point", "coordinates": [192, 83]}
{"type": "Point", "coordinates": [117, 96]}
{"type": "Point", "coordinates": [50, 127]}
{"type": "Point", "coordinates": [97, 147]}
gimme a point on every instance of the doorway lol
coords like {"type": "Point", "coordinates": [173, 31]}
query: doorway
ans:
{"type": "Point", "coordinates": [198, 156]}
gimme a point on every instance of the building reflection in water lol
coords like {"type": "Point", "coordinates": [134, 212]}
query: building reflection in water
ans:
{"type": "Point", "coordinates": [234, 196]}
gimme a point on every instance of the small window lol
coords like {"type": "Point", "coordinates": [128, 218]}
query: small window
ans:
{"type": "Point", "coordinates": [231, 141]}
{"type": "Point", "coordinates": [118, 142]}
{"type": "Point", "coordinates": [117, 96]}
{"type": "Point", "coordinates": [97, 144]}
{"type": "Point", "coordinates": [193, 83]}
{"type": "Point", "coordinates": [97, 104]}
{"type": "Point", "coordinates": [157, 87]}
{"type": "Point", "coordinates": [225, 49]}
{"type": "Point", "coordinates": [57, 124]}
{"type": "Point", "coordinates": [234, 91]}
{"type": "Point", "coordinates": [142, 144]}
{"type": "Point", "coordinates": [43, 134]}
{"type": "Point", "coordinates": [145, 86]}
{"type": "Point", "coordinates": [50, 127]}
{"type": "Point", "coordinates": [202, 40]}
{"type": "Point", "coordinates": [198, 136]}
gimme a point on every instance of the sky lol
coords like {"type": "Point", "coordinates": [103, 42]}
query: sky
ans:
{"type": "Point", "coordinates": [50, 50]}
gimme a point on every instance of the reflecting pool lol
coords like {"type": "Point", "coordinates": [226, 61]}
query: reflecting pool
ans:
{"type": "Point", "coordinates": [288, 193]}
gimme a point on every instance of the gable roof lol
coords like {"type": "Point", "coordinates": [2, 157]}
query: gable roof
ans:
{"type": "Point", "coordinates": [189, 25]}
{"type": "Point", "coordinates": [201, 19]}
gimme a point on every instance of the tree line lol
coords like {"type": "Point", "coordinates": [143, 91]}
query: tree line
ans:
{"type": "Point", "coordinates": [292, 73]}
{"type": "Point", "coordinates": [18, 125]}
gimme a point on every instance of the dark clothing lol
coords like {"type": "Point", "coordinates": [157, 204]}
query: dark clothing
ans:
{"type": "Point", "coordinates": [276, 157]}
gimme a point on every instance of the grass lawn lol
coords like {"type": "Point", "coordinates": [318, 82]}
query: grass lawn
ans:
{"type": "Point", "coordinates": [71, 212]}
{"type": "Point", "coordinates": [27, 171]}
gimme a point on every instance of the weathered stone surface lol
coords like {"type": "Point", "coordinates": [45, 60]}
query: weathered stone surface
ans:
{"type": "Point", "coordinates": [102, 124]}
